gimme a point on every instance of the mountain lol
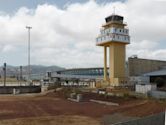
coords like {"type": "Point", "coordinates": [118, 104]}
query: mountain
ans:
{"type": "Point", "coordinates": [35, 69]}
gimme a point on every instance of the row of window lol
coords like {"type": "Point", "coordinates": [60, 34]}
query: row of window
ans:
{"type": "Point", "coordinates": [113, 36]}
{"type": "Point", "coordinates": [114, 30]}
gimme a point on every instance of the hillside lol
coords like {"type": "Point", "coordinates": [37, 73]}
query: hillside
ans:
{"type": "Point", "coordinates": [35, 69]}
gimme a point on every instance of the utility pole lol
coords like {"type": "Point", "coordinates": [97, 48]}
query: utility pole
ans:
{"type": "Point", "coordinates": [4, 70]}
{"type": "Point", "coordinates": [29, 67]}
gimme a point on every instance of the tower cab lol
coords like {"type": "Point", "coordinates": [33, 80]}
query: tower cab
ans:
{"type": "Point", "coordinates": [113, 31]}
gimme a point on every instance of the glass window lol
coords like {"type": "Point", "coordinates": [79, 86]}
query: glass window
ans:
{"type": "Point", "coordinates": [113, 36]}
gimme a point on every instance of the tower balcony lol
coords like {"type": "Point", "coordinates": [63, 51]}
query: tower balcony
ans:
{"type": "Point", "coordinates": [113, 30]}
{"type": "Point", "coordinates": [108, 38]}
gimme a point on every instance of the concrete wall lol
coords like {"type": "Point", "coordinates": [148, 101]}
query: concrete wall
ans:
{"type": "Point", "coordinates": [145, 88]}
{"type": "Point", "coordinates": [158, 119]}
{"type": "Point", "coordinates": [19, 89]}
{"type": "Point", "coordinates": [158, 94]}
{"type": "Point", "coordinates": [19, 84]}
{"type": "Point", "coordinates": [139, 66]}
{"type": "Point", "coordinates": [139, 80]}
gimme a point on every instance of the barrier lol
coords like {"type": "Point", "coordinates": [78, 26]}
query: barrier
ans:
{"type": "Point", "coordinates": [158, 94]}
{"type": "Point", "coordinates": [157, 119]}
{"type": "Point", "coordinates": [19, 89]}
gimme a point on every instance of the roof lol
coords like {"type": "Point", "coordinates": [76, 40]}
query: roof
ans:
{"type": "Point", "coordinates": [114, 18]}
{"type": "Point", "coordinates": [161, 72]}
{"type": "Point", "coordinates": [136, 58]}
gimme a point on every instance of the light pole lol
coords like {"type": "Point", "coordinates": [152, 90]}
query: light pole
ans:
{"type": "Point", "coordinates": [4, 70]}
{"type": "Point", "coordinates": [20, 75]}
{"type": "Point", "coordinates": [29, 67]}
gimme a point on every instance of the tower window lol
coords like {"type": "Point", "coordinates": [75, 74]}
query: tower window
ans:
{"type": "Point", "coordinates": [106, 31]}
{"type": "Point", "coordinates": [113, 36]}
{"type": "Point", "coordinates": [102, 32]}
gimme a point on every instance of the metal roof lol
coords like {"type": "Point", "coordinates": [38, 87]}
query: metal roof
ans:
{"type": "Point", "coordinates": [76, 76]}
{"type": "Point", "coordinates": [161, 72]}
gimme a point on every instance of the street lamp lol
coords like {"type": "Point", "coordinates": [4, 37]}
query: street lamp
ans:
{"type": "Point", "coordinates": [29, 67]}
{"type": "Point", "coordinates": [4, 70]}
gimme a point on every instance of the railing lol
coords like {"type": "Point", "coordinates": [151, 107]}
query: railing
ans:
{"type": "Point", "coordinates": [112, 37]}
{"type": "Point", "coordinates": [120, 31]}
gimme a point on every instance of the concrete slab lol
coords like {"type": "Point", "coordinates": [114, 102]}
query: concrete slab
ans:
{"type": "Point", "coordinates": [104, 102]}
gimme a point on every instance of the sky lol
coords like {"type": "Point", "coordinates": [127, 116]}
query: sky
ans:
{"type": "Point", "coordinates": [63, 31]}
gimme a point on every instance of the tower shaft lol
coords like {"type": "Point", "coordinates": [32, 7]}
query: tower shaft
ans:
{"type": "Point", "coordinates": [117, 63]}
{"type": "Point", "coordinates": [105, 64]}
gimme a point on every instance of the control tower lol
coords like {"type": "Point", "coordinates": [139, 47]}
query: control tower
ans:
{"type": "Point", "coordinates": [115, 36]}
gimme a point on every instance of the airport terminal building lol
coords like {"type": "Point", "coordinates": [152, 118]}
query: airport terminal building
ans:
{"type": "Point", "coordinates": [138, 67]}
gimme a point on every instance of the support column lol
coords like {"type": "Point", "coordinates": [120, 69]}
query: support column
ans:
{"type": "Point", "coordinates": [105, 63]}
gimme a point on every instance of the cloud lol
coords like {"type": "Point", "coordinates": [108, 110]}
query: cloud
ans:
{"type": "Point", "coordinates": [66, 37]}
{"type": "Point", "coordinates": [8, 48]}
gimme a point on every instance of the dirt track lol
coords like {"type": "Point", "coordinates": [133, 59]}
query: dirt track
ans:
{"type": "Point", "coordinates": [52, 120]}
{"type": "Point", "coordinates": [50, 105]}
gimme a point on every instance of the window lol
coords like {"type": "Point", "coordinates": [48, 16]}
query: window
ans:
{"type": "Point", "coordinates": [118, 36]}
{"type": "Point", "coordinates": [113, 36]}
{"type": "Point", "coordinates": [102, 32]}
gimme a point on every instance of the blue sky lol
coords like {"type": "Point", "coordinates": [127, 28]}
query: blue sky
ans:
{"type": "Point", "coordinates": [64, 31]}
{"type": "Point", "coordinates": [11, 6]}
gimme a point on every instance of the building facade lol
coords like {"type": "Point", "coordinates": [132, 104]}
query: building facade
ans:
{"type": "Point", "coordinates": [138, 66]}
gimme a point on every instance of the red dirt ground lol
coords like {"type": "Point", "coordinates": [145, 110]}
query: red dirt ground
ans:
{"type": "Point", "coordinates": [12, 107]}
